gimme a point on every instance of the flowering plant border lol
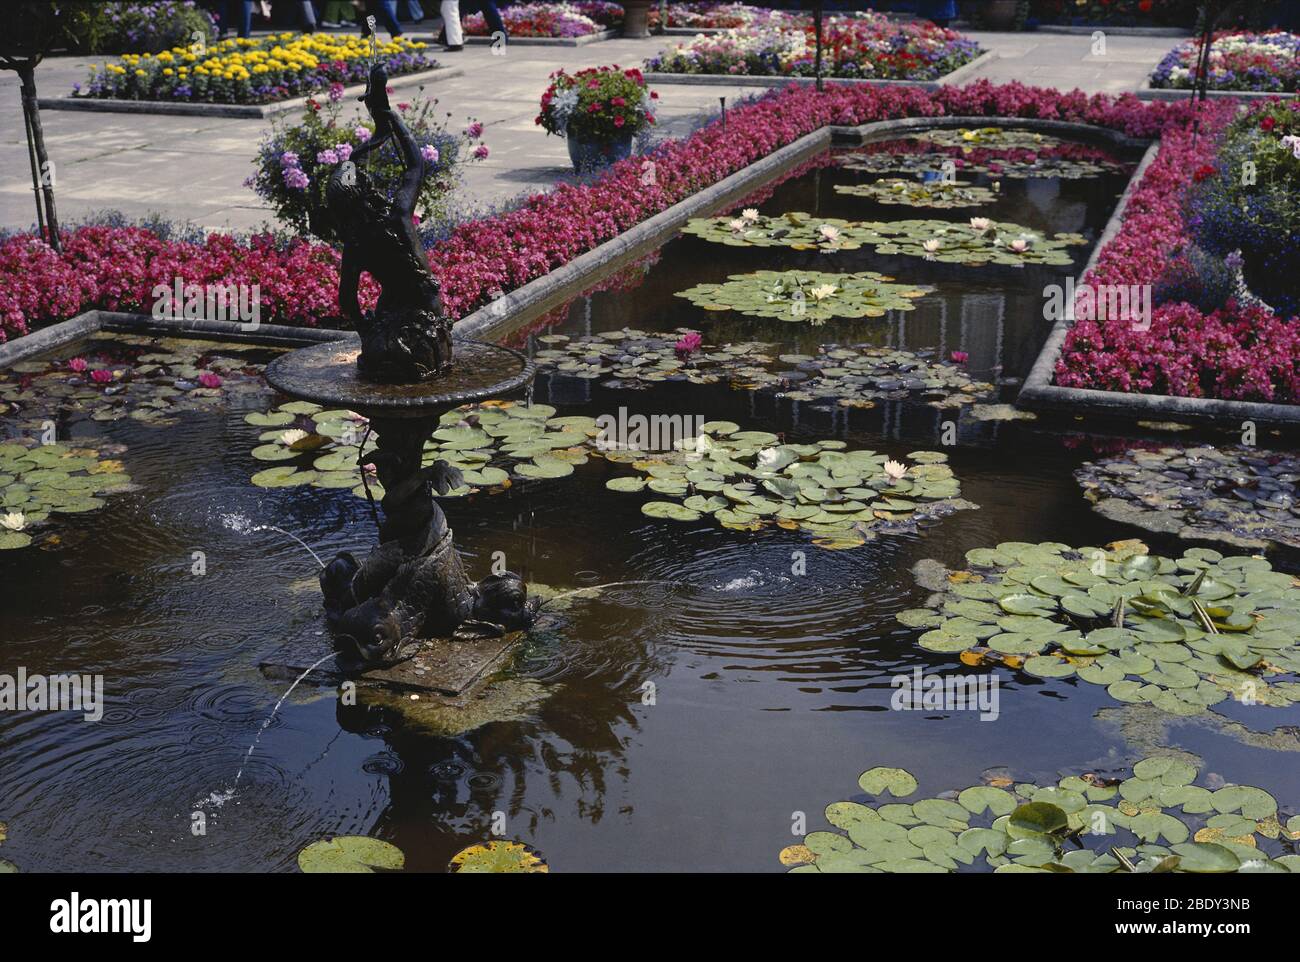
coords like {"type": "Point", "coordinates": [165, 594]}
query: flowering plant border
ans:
{"type": "Point", "coordinates": [480, 260]}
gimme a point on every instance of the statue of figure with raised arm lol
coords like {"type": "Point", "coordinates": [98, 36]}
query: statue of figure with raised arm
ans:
{"type": "Point", "coordinates": [408, 337]}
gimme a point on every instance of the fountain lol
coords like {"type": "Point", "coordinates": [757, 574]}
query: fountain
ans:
{"type": "Point", "coordinates": [402, 371]}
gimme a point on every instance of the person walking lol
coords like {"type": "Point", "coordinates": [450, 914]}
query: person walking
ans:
{"type": "Point", "coordinates": [450, 10]}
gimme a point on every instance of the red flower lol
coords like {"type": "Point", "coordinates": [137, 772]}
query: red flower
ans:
{"type": "Point", "coordinates": [1268, 123]}
{"type": "Point", "coordinates": [1205, 170]}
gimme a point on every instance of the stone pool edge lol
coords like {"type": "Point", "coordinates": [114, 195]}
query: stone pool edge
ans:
{"type": "Point", "coordinates": [1039, 393]}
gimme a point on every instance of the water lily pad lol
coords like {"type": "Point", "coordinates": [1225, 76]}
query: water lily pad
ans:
{"type": "Point", "coordinates": [811, 296]}
{"type": "Point", "coordinates": [498, 856]}
{"type": "Point", "coordinates": [352, 854]}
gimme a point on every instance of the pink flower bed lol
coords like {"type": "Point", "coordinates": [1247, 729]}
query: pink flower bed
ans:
{"type": "Point", "coordinates": [1236, 353]}
{"type": "Point", "coordinates": [117, 268]}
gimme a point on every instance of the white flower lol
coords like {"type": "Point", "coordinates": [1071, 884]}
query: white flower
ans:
{"type": "Point", "coordinates": [830, 232]}
{"type": "Point", "coordinates": [1019, 245]}
{"type": "Point", "coordinates": [981, 224]}
{"type": "Point", "coordinates": [293, 436]}
{"type": "Point", "coordinates": [931, 245]}
{"type": "Point", "coordinates": [768, 457]}
{"type": "Point", "coordinates": [14, 521]}
{"type": "Point", "coordinates": [894, 470]}
{"type": "Point", "coordinates": [750, 214]}
{"type": "Point", "coordinates": [737, 225]}
{"type": "Point", "coordinates": [822, 291]}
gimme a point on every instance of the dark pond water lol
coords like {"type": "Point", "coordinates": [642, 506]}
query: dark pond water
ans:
{"type": "Point", "coordinates": [771, 690]}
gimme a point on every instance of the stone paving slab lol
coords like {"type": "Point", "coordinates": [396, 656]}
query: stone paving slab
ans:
{"type": "Point", "coordinates": [191, 168]}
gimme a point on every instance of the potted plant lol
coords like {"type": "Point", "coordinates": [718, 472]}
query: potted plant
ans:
{"type": "Point", "coordinates": [599, 111]}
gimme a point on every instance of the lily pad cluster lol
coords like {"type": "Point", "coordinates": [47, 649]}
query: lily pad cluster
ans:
{"type": "Point", "coordinates": [979, 242]}
{"type": "Point", "coordinates": [920, 193]}
{"type": "Point", "coordinates": [806, 296]}
{"type": "Point", "coordinates": [146, 379]}
{"type": "Point", "coordinates": [836, 375]}
{"type": "Point", "coordinates": [323, 447]}
{"type": "Point", "coordinates": [1180, 633]}
{"type": "Point", "coordinates": [998, 137]}
{"type": "Point", "coordinates": [1066, 162]}
{"type": "Point", "coordinates": [749, 480]}
{"type": "Point", "coordinates": [41, 480]}
{"type": "Point", "coordinates": [1156, 820]}
{"type": "Point", "coordinates": [794, 229]}
{"type": "Point", "coordinates": [1242, 496]}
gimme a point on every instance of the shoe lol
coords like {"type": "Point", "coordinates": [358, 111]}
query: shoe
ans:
{"type": "Point", "coordinates": [450, 49]}
{"type": "Point", "coordinates": [441, 38]}
{"type": "Point", "coordinates": [330, 25]}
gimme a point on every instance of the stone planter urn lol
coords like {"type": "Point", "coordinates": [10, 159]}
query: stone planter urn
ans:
{"type": "Point", "coordinates": [636, 22]}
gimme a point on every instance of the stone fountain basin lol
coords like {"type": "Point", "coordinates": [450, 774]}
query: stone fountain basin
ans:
{"type": "Point", "coordinates": [327, 374]}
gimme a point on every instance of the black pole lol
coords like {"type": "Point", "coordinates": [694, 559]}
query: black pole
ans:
{"type": "Point", "coordinates": [817, 26]}
{"type": "Point", "coordinates": [27, 72]}
{"type": "Point", "coordinates": [36, 177]}
{"type": "Point", "coordinates": [1200, 90]}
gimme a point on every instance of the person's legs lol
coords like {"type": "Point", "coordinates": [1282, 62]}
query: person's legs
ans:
{"type": "Point", "coordinates": [492, 15]}
{"type": "Point", "coordinates": [246, 19]}
{"type": "Point", "coordinates": [451, 23]}
{"type": "Point", "coordinates": [414, 12]}
{"type": "Point", "coordinates": [385, 12]}
{"type": "Point", "coordinates": [308, 15]}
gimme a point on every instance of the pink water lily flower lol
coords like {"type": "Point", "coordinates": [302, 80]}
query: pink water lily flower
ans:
{"type": "Point", "coordinates": [689, 343]}
{"type": "Point", "coordinates": [77, 364]}
{"type": "Point", "coordinates": [209, 379]}
{"type": "Point", "coordinates": [101, 376]}
{"type": "Point", "coordinates": [960, 357]}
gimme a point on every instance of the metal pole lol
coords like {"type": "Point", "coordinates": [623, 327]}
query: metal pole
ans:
{"type": "Point", "coordinates": [27, 73]}
{"type": "Point", "coordinates": [36, 177]}
{"type": "Point", "coordinates": [817, 26]}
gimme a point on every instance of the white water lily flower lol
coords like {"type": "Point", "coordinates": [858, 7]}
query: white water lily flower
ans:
{"type": "Point", "coordinates": [737, 224]}
{"type": "Point", "coordinates": [981, 224]}
{"type": "Point", "coordinates": [1019, 245]}
{"type": "Point", "coordinates": [14, 521]}
{"type": "Point", "coordinates": [750, 214]}
{"type": "Point", "coordinates": [895, 470]}
{"type": "Point", "coordinates": [931, 245]}
{"type": "Point", "coordinates": [704, 444]}
{"type": "Point", "coordinates": [830, 232]}
{"type": "Point", "coordinates": [292, 436]}
{"type": "Point", "coordinates": [822, 291]}
{"type": "Point", "coordinates": [768, 457]}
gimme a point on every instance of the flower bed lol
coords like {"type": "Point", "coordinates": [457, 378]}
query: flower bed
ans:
{"type": "Point", "coordinates": [250, 71]}
{"type": "Point", "coordinates": [710, 16]}
{"type": "Point", "coordinates": [1261, 62]}
{"type": "Point", "coordinates": [551, 19]}
{"type": "Point", "coordinates": [867, 46]}
{"type": "Point", "coordinates": [137, 27]}
{"type": "Point", "coordinates": [1234, 352]}
{"type": "Point", "coordinates": [1120, 13]}
{"type": "Point", "coordinates": [115, 269]}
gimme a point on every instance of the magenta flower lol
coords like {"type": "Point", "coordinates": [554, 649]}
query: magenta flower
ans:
{"type": "Point", "coordinates": [361, 133]}
{"type": "Point", "coordinates": [688, 343]}
{"type": "Point", "coordinates": [209, 379]}
{"type": "Point", "coordinates": [959, 357]}
{"type": "Point", "coordinates": [77, 364]}
{"type": "Point", "coordinates": [429, 153]}
{"type": "Point", "coordinates": [101, 376]}
{"type": "Point", "coordinates": [481, 152]}
{"type": "Point", "coordinates": [474, 131]}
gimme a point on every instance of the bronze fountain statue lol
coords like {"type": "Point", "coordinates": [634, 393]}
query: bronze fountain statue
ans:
{"type": "Point", "coordinates": [402, 372]}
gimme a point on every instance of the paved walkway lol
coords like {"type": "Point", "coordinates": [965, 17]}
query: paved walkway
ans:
{"type": "Point", "coordinates": [193, 168]}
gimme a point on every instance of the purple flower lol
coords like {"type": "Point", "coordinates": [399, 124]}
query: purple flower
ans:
{"type": "Point", "coordinates": [327, 157]}
{"type": "Point", "coordinates": [429, 153]}
{"type": "Point", "coordinates": [288, 159]}
{"type": "Point", "coordinates": [362, 133]}
{"type": "Point", "coordinates": [343, 151]}
{"type": "Point", "coordinates": [481, 152]}
{"type": "Point", "coordinates": [295, 179]}
{"type": "Point", "coordinates": [474, 131]}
